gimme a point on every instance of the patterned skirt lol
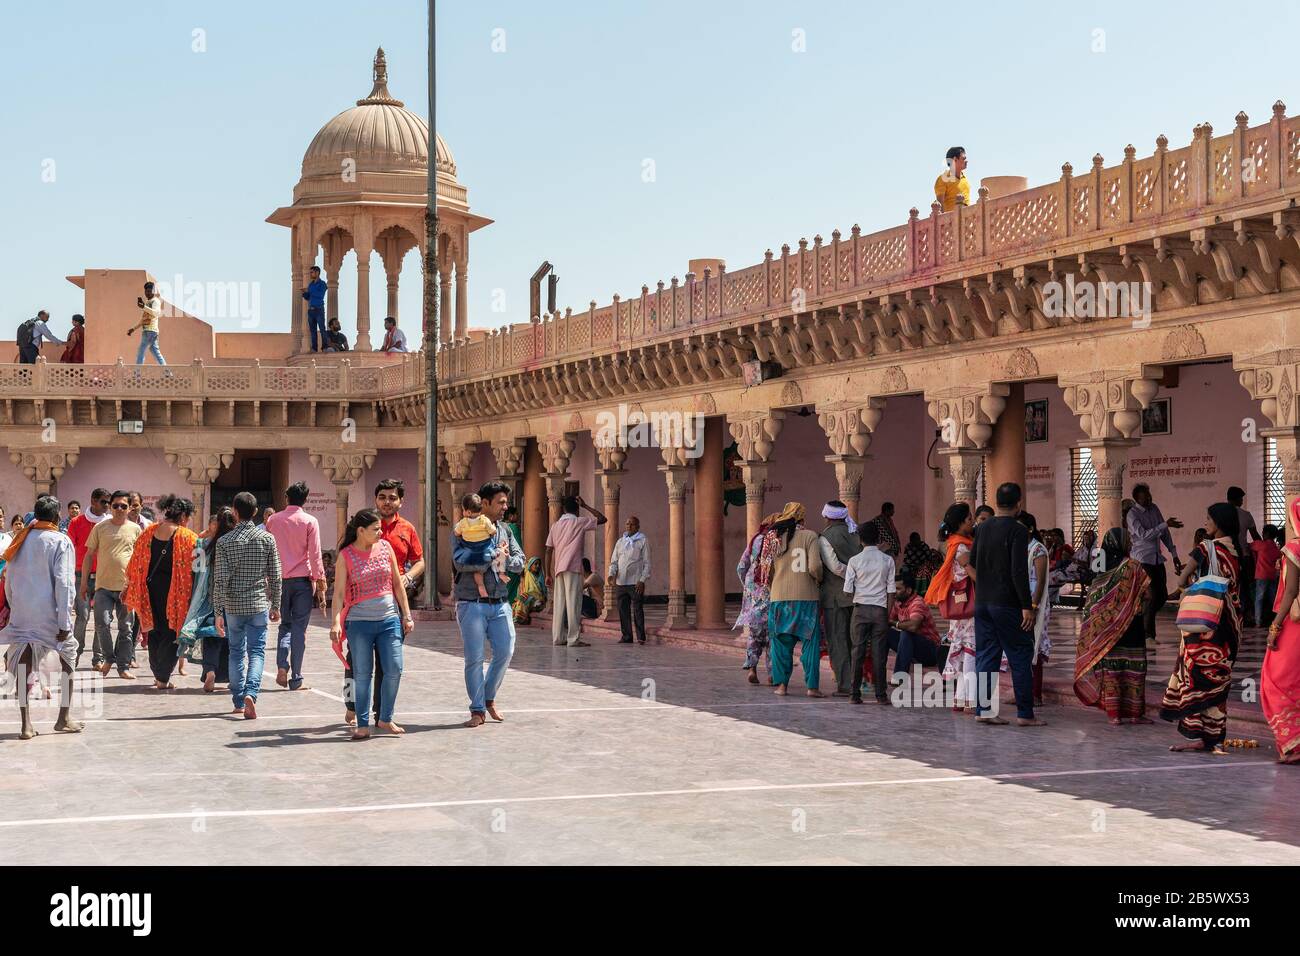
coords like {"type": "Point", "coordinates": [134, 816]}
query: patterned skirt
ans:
{"type": "Point", "coordinates": [1123, 678]}
{"type": "Point", "coordinates": [1197, 695]}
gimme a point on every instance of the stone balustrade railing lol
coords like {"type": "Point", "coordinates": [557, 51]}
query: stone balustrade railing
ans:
{"type": "Point", "coordinates": [229, 382]}
{"type": "Point", "coordinates": [1172, 185]}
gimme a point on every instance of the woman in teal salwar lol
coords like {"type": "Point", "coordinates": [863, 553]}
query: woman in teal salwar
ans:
{"type": "Point", "coordinates": [792, 554]}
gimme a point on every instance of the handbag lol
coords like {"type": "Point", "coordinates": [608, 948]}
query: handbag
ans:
{"type": "Point", "coordinates": [1201, 605]}
{"type": "Point", "coordinates": [957, 604]}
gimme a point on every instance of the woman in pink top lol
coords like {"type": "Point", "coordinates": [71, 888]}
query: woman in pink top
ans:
{"type": "Point", "coordinates": [372, 615]}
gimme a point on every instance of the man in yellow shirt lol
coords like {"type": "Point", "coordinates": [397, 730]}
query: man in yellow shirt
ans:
{"type": "Point", "coordinates": [108, 551]}
{"type": "Point", "coordinates": [952, 187]}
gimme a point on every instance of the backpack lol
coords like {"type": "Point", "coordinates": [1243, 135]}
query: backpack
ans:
{"type": "Point", "coordinates": [26, 332]}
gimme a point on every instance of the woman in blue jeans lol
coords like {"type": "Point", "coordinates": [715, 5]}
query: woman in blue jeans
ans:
{"type": "Point", "coordinates": [373, 615]}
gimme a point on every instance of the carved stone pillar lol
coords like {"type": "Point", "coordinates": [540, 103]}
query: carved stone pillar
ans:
{"type": "Point", "coordinates": [710, 561]}
{"type": "Point", "coordinates": [1006, 460]}
{"type": "Point", "coordinates": [611, 474]}
{"type": "Point", "coordinates": [392, 292]}
{"type": "Point", "coordinates": [43, 466]}
{"type": "Point", "coordinates": [444, 309]}
{"type": "Point", "coordinates": [1272, 379]}
{"type": "Point", "coordinates": [675, 474]}
{"type": "Point", "coordinates": [199, 469]}
{"type": "Point", "coordinates": [1108, 404]}
{"type": "Point", "coordinates": [1109, 461]}
{"type": "Point", "coordinates": [460, 462]}
{"type": "Point", "coordinates": [966, 417]}
{"type": "Point", "coordinates": [848, 427]}
{"type": "Point", "coordinates": [342, 468]}
{"type": "Point", "coordinates": [965, 464]}
{"type": "Point", "coordinates": [363, 243]}
{"type": "Point", "coordinates": [533, 512]}
{"type": "Point", "coordinates": [556, 451]}
{"type": "Point", "coordinates": [755, 435]}
{"type": "Point", "coordinates": [462, 301]}
{"type": "Point", "coordinates": [509, 456]}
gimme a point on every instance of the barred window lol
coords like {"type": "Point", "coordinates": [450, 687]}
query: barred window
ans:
{"type": "Point", "coordinates": [1274, 490]}
{"type": "Point", "coordinates": [1083, 493]}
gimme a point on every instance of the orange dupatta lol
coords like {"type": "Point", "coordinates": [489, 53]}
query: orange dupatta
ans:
{"type": "Point", "coordinates": [178, 594]}
{"type": "Point", "coordinates": [941, 583]}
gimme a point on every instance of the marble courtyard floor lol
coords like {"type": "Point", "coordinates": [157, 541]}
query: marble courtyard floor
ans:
{"type": "Point", "coordinates": [621, 755]}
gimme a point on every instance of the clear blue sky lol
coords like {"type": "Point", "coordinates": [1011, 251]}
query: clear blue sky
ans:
{"type": "Point", "coordinates": [170, 160]}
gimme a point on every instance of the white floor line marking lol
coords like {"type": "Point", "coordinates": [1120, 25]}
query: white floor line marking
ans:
{"type": "Point", "coordinates": [313, 690]}
{"type": "Point", "coordinates": [625, 795]}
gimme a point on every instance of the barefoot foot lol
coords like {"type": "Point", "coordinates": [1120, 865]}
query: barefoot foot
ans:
{"type": "Point", "coordinates": [780, 690]}
{"type": "Point", "coordinates": [282, 677]}
{"type": "Point", "coordinates": [66, 725]}
{"type": "Point", "coordinates": [391, 728]}
{"type": "Point", "coordinates": [493, 712]}
{"type": "Point", "coordinates": [475, 720]}
{"type": "Point", "coordinates": [250, 708]}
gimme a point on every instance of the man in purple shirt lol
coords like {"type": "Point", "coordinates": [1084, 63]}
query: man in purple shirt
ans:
{"type": "Point", "coordinates": [297, 540]}
{"type": "Point", "coordinates": [1147, 531]}
{"type": "Point", "coordinates": [564, 570]}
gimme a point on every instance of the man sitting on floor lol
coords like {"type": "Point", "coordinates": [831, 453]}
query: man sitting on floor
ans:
{"type": "Point", "coordinates": [912, 634]}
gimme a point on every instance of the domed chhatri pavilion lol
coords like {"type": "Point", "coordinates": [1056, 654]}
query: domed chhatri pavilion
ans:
{"type": "Point", "coordinates": [363, 188]}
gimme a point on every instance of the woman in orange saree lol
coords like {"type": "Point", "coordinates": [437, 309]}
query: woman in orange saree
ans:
{"type": "Point", "coordinates": [1280, 681]}
{"type": "Point", "coordinates": [1110, 664]}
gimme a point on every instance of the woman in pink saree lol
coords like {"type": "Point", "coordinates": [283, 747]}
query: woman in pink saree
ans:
{"type": "Point", "coordinates": [1280, 681]}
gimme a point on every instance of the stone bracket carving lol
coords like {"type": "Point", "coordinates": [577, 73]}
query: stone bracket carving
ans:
{"type": "Point", "coordinates": [1271, 378]}
{"type": "Point", "coordinates": [343, 467]}
{"type": "Point", "coordinates": [966, 416]}
{"type": "Point", "coordinates": [44, 464]}
{"type": "Point", "coordinates": [199, 467]}
{"type": "Point", "coordinates": [849, 425]}
{"type": "Point", "coordinates": [755, 435]}
{"type": "Point", "coordinates": [509, 456]}
{"type": "Point", "coordinates": [1109, 403]}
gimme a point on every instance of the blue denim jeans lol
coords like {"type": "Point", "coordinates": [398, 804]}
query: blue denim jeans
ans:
{"type": "Point", "coordinates": [246, 635]}
{"type": "Point", "coordinates": [297, 598]}
{"type": "Point", "coordinates": [316, 323]}
{"type": "Point", "coordinates": [998, 632]}
{"type": "Point", "coordinates": [482, 625]}
{"type": "Point", "coordinates": [149, 343]}
{"type": "Point", "coordinates": [1265, 595]}
{"type": "Point", "coordinates": [364, 638]}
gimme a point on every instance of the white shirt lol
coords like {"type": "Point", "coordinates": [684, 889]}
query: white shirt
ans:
{"type": "Point", "coordinates": [630, 561]}
{"type": "Point", "coordinates": [41, 331]}
{"type": "Point", "coordinates": [869, 577]}
{"type": "Point", "coordinates": [399, 341]}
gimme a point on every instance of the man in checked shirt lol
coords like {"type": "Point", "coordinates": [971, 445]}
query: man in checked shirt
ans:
{"type": "Point", "coordinates": [245, 597]}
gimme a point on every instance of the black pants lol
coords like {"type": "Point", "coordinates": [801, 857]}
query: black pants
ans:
{"type": "Point", "coordinates": [870, 632]}
{"type": "Point", "coordinates": [1156, 598]}
{"type": "Point", "coordinates": [162, 653]}
{"type": "Point", "coordinates": [839, 623]}
{"type": "Point", "coordinates": [374, 696]}
{"type": "Point", "coordinates": [216, 659]}
{"type": "Point", "coordinates": [631, 611]}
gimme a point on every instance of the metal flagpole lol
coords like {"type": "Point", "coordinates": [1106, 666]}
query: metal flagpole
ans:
{"type": "Point", "coordinates": [431, 337]}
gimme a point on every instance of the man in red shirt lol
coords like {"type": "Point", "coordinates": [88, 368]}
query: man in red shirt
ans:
{"type": "Point", "coordinates": [79, 529]}
{"type": "Point", "coordinates": [1266, 554]}
{"type": "Point", "coordinates": [405, 542]}
{"type": "Point", "coordinates": [912, 635]}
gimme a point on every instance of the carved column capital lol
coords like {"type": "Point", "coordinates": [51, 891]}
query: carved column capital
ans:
{"type": "Point", "coordinates": [198, 467]}
{"type": "Point", "coordinates": [509, 455]}
{"type": "Point", "coordinates": [755, 434]}
{"type": "Point", "coordinates": [966, 416]}
{"type": "Point", "coordinates": [965, 464]}
{"type": "Point", "coordinates": [1109, 403]}
{"type": "Point", "coordinates": [849, 425]}
{"type": "Point", "coordinates": [1271, 379]}
{"type": "Point", "coordinates": [459, 460]}
{"type": "Point", "coordinates": [556, 451]}
{"type": "Point", "coordinates": [342, 467]}
{"type": "Point", "coordinates": [675, 476]}
{"type": "Point", "coordinates": [44, 465]}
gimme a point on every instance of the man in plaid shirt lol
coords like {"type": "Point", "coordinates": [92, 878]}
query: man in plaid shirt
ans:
{"type": "Point", "coordinates": [245, 597]}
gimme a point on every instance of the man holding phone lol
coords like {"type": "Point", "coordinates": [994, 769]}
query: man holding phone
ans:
{"type": "Point", "coordinates": [150, 308]}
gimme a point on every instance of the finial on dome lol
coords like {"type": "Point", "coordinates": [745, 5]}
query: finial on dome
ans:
{"type": "Point", "coordinates": [379, 93]}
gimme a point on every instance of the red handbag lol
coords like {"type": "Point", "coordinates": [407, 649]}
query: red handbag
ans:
{"type": "Point", "coordinates": [959, 603]}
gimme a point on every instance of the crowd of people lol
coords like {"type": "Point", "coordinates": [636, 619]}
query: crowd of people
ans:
{"type": "Point", "coordinates": [144, 577]}
{"type": "Point", "coordinates": [994, 587]}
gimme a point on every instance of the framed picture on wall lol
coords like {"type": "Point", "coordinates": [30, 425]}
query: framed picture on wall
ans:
{"type": "Point", "coordinates": [1036, 421]}
{"type": "Point", "coordinates": [1156, 419]}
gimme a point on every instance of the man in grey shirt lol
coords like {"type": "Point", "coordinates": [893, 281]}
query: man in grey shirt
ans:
{"type": "Point", "coordinates": [1148, 530]}
{"type": "Point", "coordinates": [488, 620]}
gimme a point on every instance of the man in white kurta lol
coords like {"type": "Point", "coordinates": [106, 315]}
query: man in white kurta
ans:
{"type": "Point", "coordinates": [40, 587]}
